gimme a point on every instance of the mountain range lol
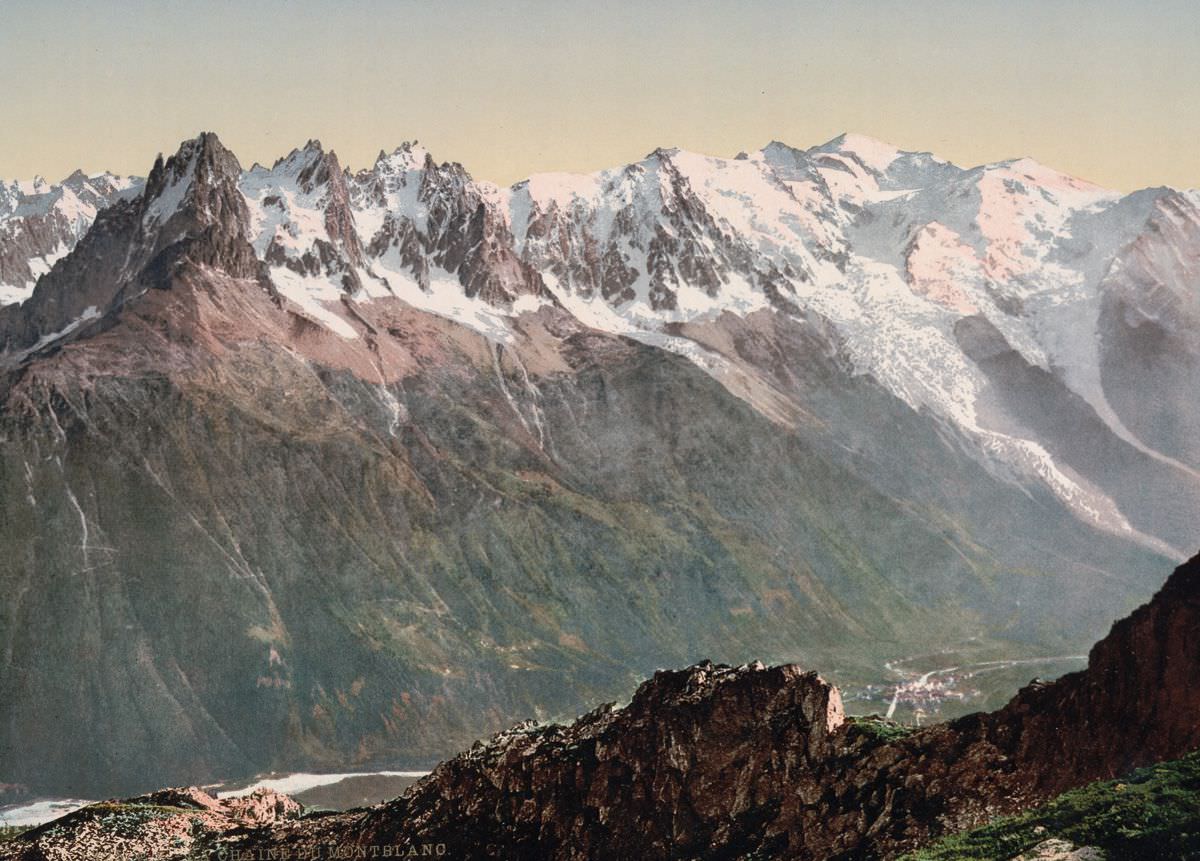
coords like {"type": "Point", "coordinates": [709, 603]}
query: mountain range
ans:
{"type": "Point", "coordinates": [305, 467]}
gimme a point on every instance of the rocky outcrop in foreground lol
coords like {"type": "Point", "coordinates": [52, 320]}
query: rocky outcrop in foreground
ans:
{"type": "Point", "coordinates": [757, 762]}
{"type": "Point", "coordinates": [173, 823]}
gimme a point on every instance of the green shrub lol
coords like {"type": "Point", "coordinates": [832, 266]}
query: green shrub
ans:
{"type": "Point", "coordinates": [881, 728]}
{"type": "Point", "coordinates": [1153, 813]}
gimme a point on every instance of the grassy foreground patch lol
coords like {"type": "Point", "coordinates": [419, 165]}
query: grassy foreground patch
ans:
{"type": "Point", "coordinates": [881, 728]}
{"type": "Point", "coordinates": [1153, 813]}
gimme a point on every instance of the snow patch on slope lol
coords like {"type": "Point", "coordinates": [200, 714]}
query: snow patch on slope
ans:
{"type": "Point", "coordinates": [445, 298]}
{"type": "Point", "coordinates": [172, 196]}
{"type": "Point", "coordinates": [281, 211]}
{"type": "Point", "coordinates": [314, 295]}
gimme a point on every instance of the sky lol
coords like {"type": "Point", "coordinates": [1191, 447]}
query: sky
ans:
{"type": "Point", "coordinates": [1108, 91]}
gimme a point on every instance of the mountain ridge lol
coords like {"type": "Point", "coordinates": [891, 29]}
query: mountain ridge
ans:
{"type": "Point", "coordinates": [627, 270]}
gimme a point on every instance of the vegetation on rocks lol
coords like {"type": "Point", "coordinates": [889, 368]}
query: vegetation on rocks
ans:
{"type": "Point", "coordinates": [1154, 813]}
{"type": "Point", "coordinates": [881, 728]}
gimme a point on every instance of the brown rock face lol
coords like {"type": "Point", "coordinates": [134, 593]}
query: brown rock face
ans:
{"type": "Point", "coordinates": [727, 748]}
{"type": "Point", "coordinates": [1137, 702]}
{"type": "Point", "coordinates": [261, 807]}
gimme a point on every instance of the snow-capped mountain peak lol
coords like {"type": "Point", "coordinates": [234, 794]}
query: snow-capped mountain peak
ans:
{"type": "Point", "coordinates": [895, 254]}
{"type": "Point", "coordinates": [875, 155]}
{"type": "Point", "coordinates": [194, 183]}
{"type": "Point", "coordinates": [410, 155]}
{"type": "Point", "coordinates": [40, 223]}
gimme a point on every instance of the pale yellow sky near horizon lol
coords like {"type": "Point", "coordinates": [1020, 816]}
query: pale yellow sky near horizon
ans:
{"type": "Point", "coordinates": [1104, 90]}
